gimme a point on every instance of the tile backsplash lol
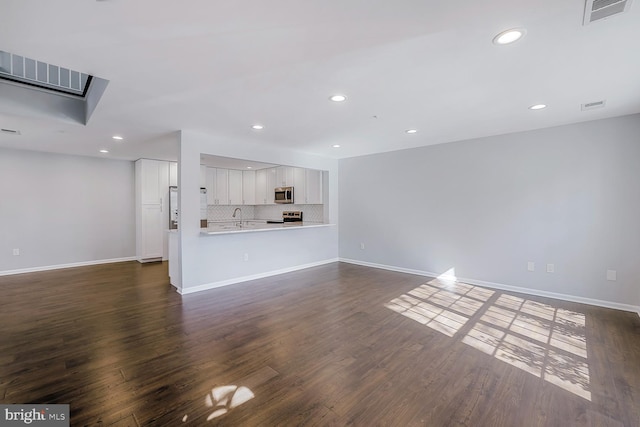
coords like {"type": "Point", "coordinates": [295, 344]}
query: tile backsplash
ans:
{"type": "Point", "coordinates": [311, 213]}
{"type": "Point", "coordinates": [219, 213]}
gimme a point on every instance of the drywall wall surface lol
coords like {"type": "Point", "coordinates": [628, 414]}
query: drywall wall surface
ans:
{"type": "Point", "coordinates": [567, 196]}
{"type": "Point", "coordinates": [60, 209]}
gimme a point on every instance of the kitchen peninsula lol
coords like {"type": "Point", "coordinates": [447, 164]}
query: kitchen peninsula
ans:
{"type": "Point", "coordinates": [242, 248]}
{"type": "Point", "coordinates": [290, 219]}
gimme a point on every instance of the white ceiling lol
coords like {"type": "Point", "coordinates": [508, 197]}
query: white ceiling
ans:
{"type": "Point", "coordinates": [220, 66]}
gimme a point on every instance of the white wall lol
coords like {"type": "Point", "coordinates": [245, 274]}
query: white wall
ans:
{"type": "Point", "coordinates": [568, 195]}
{"type": "Point", "coordinates": [61, 210]}
{"type": "Point", "coordinates": [207, 261]}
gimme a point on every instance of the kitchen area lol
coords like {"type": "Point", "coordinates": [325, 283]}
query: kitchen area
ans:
{"type": "Point", "coordinates": [247, 196]}
{"type": "Point", "coordinates": [254, 219]}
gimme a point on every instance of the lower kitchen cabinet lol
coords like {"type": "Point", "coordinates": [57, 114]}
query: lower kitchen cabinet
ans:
{"type": "Point", "coordinates": [151, 234]}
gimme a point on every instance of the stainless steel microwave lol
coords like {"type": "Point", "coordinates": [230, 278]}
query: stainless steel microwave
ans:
{"type": "Point", "coordinates": [283, 195]}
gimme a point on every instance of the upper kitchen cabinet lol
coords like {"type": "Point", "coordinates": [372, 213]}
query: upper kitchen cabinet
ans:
{"type": "Point", "coordinates": [173, 174]}
{"type": "Point", "coordinates": [284, 176]}
{"type": "Point", "coordinates": [232, 184]}
{"type": "Point", "coordinates": [249, 187]}
{"type": "Point", "coordinates": [222, 187]}
{"type": "Point", "coordinates": [235, 187]}
{"type": "Point", "coordinates": [313, 187]}
{"type": "Point", "coordinates": [299, 178]}
{"type": "Point", "coordinates": [217, 186]}
{"type": "Point", "coordinates": [265, 184]}
{"type": "Point", "coordinates": [203, 176]}
{"type": "Point", "coordinates": [151, 174]}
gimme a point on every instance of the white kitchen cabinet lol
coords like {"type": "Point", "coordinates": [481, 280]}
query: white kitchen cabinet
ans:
{"type": "Point", "coordinates": [210, 174]}
{"type": "Point", "coordinates": [222, 187]}
{"type": "Point", "coordinates": [299, 178]}
{"type": "Point", "coordinates": [151, 234]}
{"type": "Point", "coordinates": [265, 185]}
{"type": "Point", "coordinates": [152, 202]}
{"type": "Point", "coordinates": [235, 187]}
{"type": "Point", "coordinates": [203, 176]}
{"type": "Point", "coordinates": [284, 176]}
{"type": "Point", "coordinates": [149, 182]}
{"type": "Point", "coordinates": [249, 187]}
{"type": "Point", "coordinates": [217, 186]}
{"type": "Point", "coordinates": [313, 187]}
{"type": "Point", "coordinates": [299, 185]}
{"type": "Point", "coordinates": [173, 174]}
{"type": "Point", "coordinates": [261, 187]}
{"type": "Point", "coordinates": [271, 185]}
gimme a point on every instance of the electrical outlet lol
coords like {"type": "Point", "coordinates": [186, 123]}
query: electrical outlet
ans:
{"type": "Point", "coordinates": [531, 266]}
{"type": "Point", "coordinates": [246, 257]}
{"type": "Point", "coordinates": [612, 275]}
{"type": "Point", "coordinates": [16, 252]}
{"type": "Point", "coordinates": [551, 268]}
{"type": "Point", "coordinates": [361, 245]}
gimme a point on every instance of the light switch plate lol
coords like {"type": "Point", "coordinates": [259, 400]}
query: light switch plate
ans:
{"type": "Point", "coordinates": [612, 275]}
{"type": "Point", "coordinates": [551, 268]}
{"type": "Point", "coordinates": [531, 266]}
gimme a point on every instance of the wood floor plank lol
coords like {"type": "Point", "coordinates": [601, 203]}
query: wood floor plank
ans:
{"type": "Point", "coordinates": [332, 345]}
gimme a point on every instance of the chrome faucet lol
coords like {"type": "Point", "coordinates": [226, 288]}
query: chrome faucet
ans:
{"type": "Point", "coordinates": [235, 211]}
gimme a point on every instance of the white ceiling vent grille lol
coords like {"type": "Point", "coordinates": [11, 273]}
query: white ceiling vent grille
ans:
{"type": "Point", "coordinates": [40, 74]}
{"type": "Point", "coordinates": [596, 10]}
{"type": "Point", "coordinates": [593, 105]}
{"type": "Point", "coordinates": [10, 131]}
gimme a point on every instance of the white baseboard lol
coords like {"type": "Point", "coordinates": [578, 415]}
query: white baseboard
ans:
{"type": "Point", "coordinates": [500, 286]}
{"type": "Point", "coordinates": [60, 266]}
{"type": "Point", "coordinates": [207, 286]}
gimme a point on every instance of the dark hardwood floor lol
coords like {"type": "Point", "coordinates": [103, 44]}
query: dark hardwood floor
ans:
{"type": "Point", "coordinates": [333, 345]}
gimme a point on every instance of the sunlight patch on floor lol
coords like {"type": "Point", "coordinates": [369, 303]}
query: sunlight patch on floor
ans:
{"type": "Point", "coordinates": [547, 342]}
{"type": "Point", "coordinates": [222, 399]}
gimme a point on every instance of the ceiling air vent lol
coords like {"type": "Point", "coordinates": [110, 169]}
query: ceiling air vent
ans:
{"type": "Point", "coordinates": [10, 131]}
{"type": "Point", "coordinates": [596, 10]}
{"type": "Point", "coordinates": [593, 105]}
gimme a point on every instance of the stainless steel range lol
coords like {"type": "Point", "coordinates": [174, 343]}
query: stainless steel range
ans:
{"type": "Point", "coordinates": [288, 216]}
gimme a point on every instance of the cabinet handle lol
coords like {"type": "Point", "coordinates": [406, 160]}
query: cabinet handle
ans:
{"type": "Point", "coordinates": [160, 204]}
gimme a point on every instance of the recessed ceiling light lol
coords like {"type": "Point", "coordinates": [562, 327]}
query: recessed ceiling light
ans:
{"type": "Point", "coordinates": [104, 151]}
{"type": "Point", "coordinates": [117, 137]}
{"type": "Point", "coordinates": [411, 131]}
{"type": "Point", "coordinates": [509, 36]}
{"type": "Point", "coordinates": [336, 145]}
{"type": "Point", "coordinates": [538, 107]}
{"type": "Point", "coordinates": [257, 127]}
{"type": "Point", "coordinates": [249, 167]}
{"type": "Point", "coordinates": [338, 98]}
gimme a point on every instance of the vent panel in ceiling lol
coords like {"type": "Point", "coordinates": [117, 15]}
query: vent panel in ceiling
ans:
{"type": "Point", "coordinates": [592, 105]}
{"type": "Point", "coordinates": [10, 131]}
{"type": "Point", "coordinates": [41, 74]}
{"type": "Point", "coordinates": [596, 10]}
{"type": "Point", "coordinates": [36, 88]}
